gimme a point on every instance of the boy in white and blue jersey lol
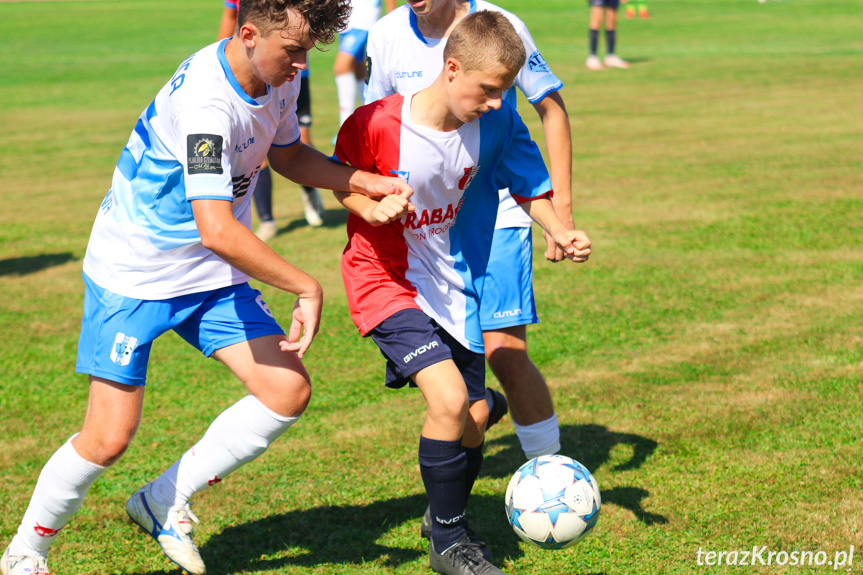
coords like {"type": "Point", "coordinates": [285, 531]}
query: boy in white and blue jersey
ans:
{"type": "Point", "coordinates": [348, 68]}
{"type": "Point", "coordinates": [171, 248]}
{"type": "Point", "coordinates": [414, 266]}
{"type": "Point", "coordinates": [405, 55]}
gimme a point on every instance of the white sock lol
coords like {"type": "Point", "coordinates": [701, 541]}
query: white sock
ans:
{"type": "Point", "coordinates": [346, 89]}
{"type": "Point", "coordinates": [237, 436]}
{"type": "Point", "coordinates": [541, 438]}
{"type": "Point", "coordinates": [59, 492]}
{"type": "Point", "coordinates": [361, 86]}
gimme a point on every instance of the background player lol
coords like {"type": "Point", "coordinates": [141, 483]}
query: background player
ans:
{"type": "Point", "coordinates": [414, 285]}
{"type": "Point", "coordinates": [313, 206]}
{"type": "Point", "coordinates": [171, 248]}
{"type": "Point", "coordinates": [404, 55]}
{"type": "Point", "coordinates": [604, 12]}
{"type": "Point", "coordinates": [349, 68]}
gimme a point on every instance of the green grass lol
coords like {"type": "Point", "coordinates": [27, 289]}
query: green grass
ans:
{"type": "Point", "coordinates": [706, 363]}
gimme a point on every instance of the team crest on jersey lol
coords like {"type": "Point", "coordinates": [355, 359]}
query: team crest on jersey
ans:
{"type": "Point", "coordinates": [204, 153]}
{"type": "Point", "coordinates": [406, 176]}
{"type": "Point", "coordinates": [121, 351]}
{"type": "Point", "coordinates": [536, 63]}
{"type": "Point", "coordinates": [469, 173]}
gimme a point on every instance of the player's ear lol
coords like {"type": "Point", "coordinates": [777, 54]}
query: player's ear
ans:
{"type": "Point", "coordinates": [452, 67]}
{"type": "Point", "coordinates": [249, 34]}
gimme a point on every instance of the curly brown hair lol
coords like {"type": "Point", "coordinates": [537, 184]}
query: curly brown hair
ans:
{"type": "Point", "coordinates": [325, 17]}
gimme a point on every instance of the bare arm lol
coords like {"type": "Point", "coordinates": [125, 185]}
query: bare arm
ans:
{"type": "Point", "coordinates": [228, 23]}
{"type": "Point", "coordinates": [226, 237]}
{"type": "Point", "coordinates": [377, 212]}
{"type": "Point", "coordinates": [558, 143]}
{"type": "Point", "coordinates": [307, 166]}
{"type": "Point", "coordinates": [390, 5]}
{"type": "Point", "coordinates": [574, 244]}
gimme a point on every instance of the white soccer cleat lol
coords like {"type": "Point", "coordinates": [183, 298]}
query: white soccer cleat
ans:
{"type": "Point", "coordinates": [614, 61]}
{"type": "Point", "coordinates": [313, 206]}
{"type": "Point", "coordinates": [23, 564]}
{"type": "Point", "coordinates": [593, 63]}
{"type": "Point", "coordinates": [171, 527]}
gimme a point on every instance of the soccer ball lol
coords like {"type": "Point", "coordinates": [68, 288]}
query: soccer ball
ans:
{"type": "Point", "coordinates": [552, 502]}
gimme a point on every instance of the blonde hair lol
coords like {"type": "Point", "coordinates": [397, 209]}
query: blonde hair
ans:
{"type": "Point", "coordinates": [483, 40]}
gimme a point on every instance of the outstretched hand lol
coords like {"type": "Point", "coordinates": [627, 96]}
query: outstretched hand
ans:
{"type": "Point", "coordinates": [376, 185]}
{"type": "Point", "coordinates": [305, 322]}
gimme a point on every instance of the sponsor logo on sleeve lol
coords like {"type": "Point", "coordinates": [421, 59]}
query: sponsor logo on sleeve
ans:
{"type": "Point", "coordinates": [204, 153]}
{"type": "Point", "coordinates": [536, 63]}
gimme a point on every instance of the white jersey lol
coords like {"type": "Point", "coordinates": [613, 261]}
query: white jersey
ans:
{"type": "Point", "coordinates": [399, 59]}
{"type": "Point", "coordinates": [364, 14]}
{"type": "Point", "coordinates": [202, 137]}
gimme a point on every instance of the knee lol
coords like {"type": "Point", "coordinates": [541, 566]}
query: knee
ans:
{"type": "Point", "coordinates": [504, 359]}
{"type": "Point", "coordinates": [106, 448]}
{"type": "Point", "coordinates": [449, 408]}
{"type": "Point", "coordinates": [293, 397]}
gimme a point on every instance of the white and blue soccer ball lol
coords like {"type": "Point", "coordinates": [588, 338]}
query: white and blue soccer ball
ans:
{"type": "Point", "coordinates": [552, 502]}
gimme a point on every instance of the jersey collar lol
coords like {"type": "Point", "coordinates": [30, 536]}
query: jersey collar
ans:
{"type": "Point", "coordinates": [415, 26]}
{"type": "Point", "coordinates": [229, 74]}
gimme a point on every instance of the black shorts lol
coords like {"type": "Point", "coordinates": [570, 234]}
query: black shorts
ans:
{"type": "Point", "coordinates": [614, 4]}
{"type": "Point", "coordinates": [304, 104]}
{"type": "Point", "coordinates": [411, 341]}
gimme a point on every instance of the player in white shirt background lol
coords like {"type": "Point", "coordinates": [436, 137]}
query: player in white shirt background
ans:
{"type": "Point", "coordinates": [349, 68]}
{"type": "Point", "coordinates": [172, 248]}
{"type": "Point", "coordinates": [404, 54]}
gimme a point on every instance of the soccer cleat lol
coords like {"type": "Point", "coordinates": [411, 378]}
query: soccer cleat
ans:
{"type": "Point", "coordinates": [614, 61]}
{"type": "Point", "coordinates": [461, 558]}
{"type": "Point", "coordinates": [643, 12]}
{"type": "Point", "coordinates": [593, 63]}
{"type": "Point", "coordinates": [497, 406]}
{"type": "Point", "coordinates": [313, 206]}
{"type": "Point", "coordinates": [426, 532]}
{"type": "Point", "coordinates": [23, 564]}
{"type": "Point", "coordinates": [630, 11]}
{"type": "Point", "coordinates": [267, 231]}
{"type": "Point", "coordinates": [171, 527]}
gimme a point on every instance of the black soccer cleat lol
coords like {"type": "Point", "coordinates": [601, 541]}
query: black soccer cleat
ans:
{"type": "Point", "coordinates": [461, 558]}
{"type": "Point", "coordinates": [497, 406]}
{"type": "Point", "coordinates": [426, 532]}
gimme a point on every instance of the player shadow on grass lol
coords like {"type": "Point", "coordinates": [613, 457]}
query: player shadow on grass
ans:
{"type": "Point", "coordinates": [346, 535]}
{"type": "Point", "coordinates": [33, 264]}
{"type": "Point", "coordinates": [591, 445]}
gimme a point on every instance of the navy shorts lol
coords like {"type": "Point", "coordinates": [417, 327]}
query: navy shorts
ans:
{"type": "Point", "coordinates": [410, 341]}
{"type": "Point", "coordinates": [613, 4]}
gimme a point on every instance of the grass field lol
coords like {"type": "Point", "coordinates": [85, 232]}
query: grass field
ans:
{"type": "Point", "coordinates": [706, 364]}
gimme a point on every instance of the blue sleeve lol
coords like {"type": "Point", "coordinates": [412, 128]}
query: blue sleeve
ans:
{"type": "Point", "coordinates": [520, 166]}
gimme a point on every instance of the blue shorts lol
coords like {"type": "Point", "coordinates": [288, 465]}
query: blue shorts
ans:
{"type": "Point", "coordinates": [354, 42]}
{"type": "Point", "coordinates": [410, 341]}
{"type": "Point", "coordinates": [613, 4]}
{"type": "Point", "coordinates": [117, 332]}
{"type": "Point", "coordinates": [507, 292]}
